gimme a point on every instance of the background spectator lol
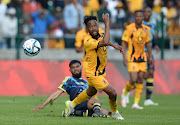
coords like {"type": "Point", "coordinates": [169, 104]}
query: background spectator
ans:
{"type": "Point", "coordinates": [117, 22]}
{"type": "Point", "coordinates": [174, 30]}
{"type": "Point", "coordinates": [134, 5]}
{"type": "Point", "coordinates": [9, 27]}
{"type": "Point", "coordinates": [157, 4]}
{"type": "Point", "coordinates": [171, 11]}
{"type": "Point", "coordinates": [30, 6]}
{"type": "Point", "coordinates": [111, 5]}
{"type": "Point", "coordinates": [73, 17]}
{"type": "Point", "coordinates": [3, 9]}
{"type": "Point", "coordinates": [26, 25]}
{"type": "Point", "coordinates": [86, 8]}
{"type": "Point", "coordinates": [103, 10]}
{"type": "Point", "coordinates": [178, 10]}
{"type": "Point", "coordinates": [57, 29]}
{"type": "Point", "coordinates": [70, 19]}
{"type": "Point", "coordinates": [41, 20]}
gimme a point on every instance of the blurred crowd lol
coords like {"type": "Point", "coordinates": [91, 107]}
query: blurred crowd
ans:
{"type": "Point", "coordinates": [59, 18]}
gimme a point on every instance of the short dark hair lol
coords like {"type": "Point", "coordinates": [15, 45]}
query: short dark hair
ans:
{"type": "Point", "coordinates": [74, 61]}
{"type": "Point", "coordinates": [138, 11]}
{"type": "Point", "coordinates": [88, 18]}
{"type": "Point", "coordinates": [147, 7]}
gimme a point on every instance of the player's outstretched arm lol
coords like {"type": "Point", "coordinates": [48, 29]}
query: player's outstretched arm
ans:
{"type": "Point", "coordinates": [124, 45]}
{"type": "Point", "coordinates": [148, 46]}
{"type": "Point", "coordinates": [52, 97]}
{"type": "Point", "coordinates": [106, 38]}
{"type": "Point", "coordinates": [118, 47]}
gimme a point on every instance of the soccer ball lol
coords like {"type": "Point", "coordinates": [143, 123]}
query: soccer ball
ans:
{"type": "Point", "coordinates": [31, 47]}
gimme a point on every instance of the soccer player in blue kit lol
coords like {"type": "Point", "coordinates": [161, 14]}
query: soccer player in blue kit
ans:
{"type": "Point", "coordinates": [73, 86]}
{"type": "Point", "coordinates": [149, 77]}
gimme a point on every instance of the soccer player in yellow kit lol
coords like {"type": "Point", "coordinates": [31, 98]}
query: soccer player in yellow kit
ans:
{"type": "Point", "coordinates": [79, 42]}
{"type": "Point", "coordinates": [136, 36]}
{"type": "Point", "coordinates": [96, 56]}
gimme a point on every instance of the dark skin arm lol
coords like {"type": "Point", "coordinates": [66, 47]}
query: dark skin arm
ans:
{"type": "Point", "coordinates": [124, 46]}
{"type": "Point", "coordinates": [106, 38]}
{"type": "Point", "coordinates": [79, 49]}
{"type": "Point", "coordinates": [148, 46]}
{"type": "Point", "coordinates": [118, 47]}
{"type": "Point", "coordinates": [105, 41]}
{"type": "Point", "coordinates": [52, 97]}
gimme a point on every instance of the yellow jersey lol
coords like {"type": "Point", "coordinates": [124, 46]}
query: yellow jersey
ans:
{"type": "Point", "coordinates": [136, 39]}
{"type": "Point", "coordinates": [80, 36]}
{"type": "Point", "coordinates": [96, 58]}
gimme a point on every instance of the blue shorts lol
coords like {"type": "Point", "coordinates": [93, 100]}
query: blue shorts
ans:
{"type": "Point", "coordinates": [149, 66]}
{"type": "Point", "coordinates": [83, 106]}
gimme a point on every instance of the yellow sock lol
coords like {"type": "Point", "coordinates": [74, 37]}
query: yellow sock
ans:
{"type": "Point", "coordinates": [139, 88]}
{"type": "Point", "coordinates": [113, 105]}
{"type": "Point", "coordinates": [128, 88]}
{"type": "Point", "coordinates": [80, 98]}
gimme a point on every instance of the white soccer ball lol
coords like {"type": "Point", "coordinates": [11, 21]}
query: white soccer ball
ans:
{"type": "Point", "coordinates": [31, 47]}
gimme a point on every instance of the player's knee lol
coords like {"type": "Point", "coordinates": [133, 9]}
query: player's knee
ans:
{"type": "Point", "coordinates": [151, 74]}
{"type": "Point", "coordinates": [140, 80]}
{"type": "Point", "coordinates": [133, 81]}
{"type": "Point", "coordinates": [91, 92]}
{"type": "Point", "coordinates": [113, 95]}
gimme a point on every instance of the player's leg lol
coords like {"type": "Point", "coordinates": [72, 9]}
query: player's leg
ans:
{"type": "Point", "coordinates": [128, 88]}
{"type": "Point", "coordinates": [84, 96]}
{"type": "Point", "coordinates": [80, 110]}
{"type": "Point", "coordinates": [95, 104]}
{"type": "Point", "coordinates": [113, 102]}
{"type": "Point", "coordinates": [149, 87]}
{"type": "Point", "coordinates": [139, 89]}
{"type": "Point", "coordinates": [69, 106]}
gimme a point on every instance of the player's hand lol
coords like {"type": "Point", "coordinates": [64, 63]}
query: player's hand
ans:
{"type": "Point", "coordinates": [118, 47]}
{"type": "Point", "coordinates": [125, 62]}
{"type": "Point", "coordinates": [38, 108]}
{"type": "Point", "coordinates": [105, 18]}
{"type": "Point", "coordinates": [157, 49]}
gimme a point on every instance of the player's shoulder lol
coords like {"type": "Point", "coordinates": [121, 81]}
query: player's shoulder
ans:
{"type": "Point", "coordinates": [85, 81]}
{"type": "Point", "coordinates": [152, 25]}
{"type": "Point", "coordinates": [130, 26]}
{"type": "Point", "coordinates": [81, 31]}
{"type": "Point", "coordinates": [87, 38]}
{"type": "Point", "coordinates": [66, 79]}
{"type": "Point", "coordinates": [145, 27]}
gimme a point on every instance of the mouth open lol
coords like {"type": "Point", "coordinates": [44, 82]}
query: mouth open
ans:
{"type": "Point", "coordinates": [95, 32]}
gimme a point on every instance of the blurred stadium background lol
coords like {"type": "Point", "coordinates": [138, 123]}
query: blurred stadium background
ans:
{"type": "Point", "coordinates": [55, 23]}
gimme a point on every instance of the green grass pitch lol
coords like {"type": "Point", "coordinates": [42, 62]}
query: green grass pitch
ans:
{"type": "Point", "coordinates": [17, 111]}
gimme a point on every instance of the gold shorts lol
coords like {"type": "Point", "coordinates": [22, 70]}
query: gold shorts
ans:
{"type": "Point", "coordinates": [99, 82]}
{"type": "Point", "coordinates": [136, 67]}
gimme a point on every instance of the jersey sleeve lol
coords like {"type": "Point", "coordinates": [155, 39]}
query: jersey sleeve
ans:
{"type": "Point", "coordinates": [63, 85]}
{"type": "Point", "coordinates": [79, 40]}
{"type": "Point", "coordinates": [125, 36]}
{"type": "Point", "coordinates": [90, 44]}
{"type": "Point", "coordinates": [148, 37]}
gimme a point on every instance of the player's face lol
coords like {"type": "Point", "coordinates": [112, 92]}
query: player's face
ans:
{"type": "Point", "coordinates": [93, 28]}
{"type": "Point", "coordinates": [76, 70]}
{"type": "Point", "coordinates": [147, 13]}
{"type": "Point", "coordinates": [138, 18]}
